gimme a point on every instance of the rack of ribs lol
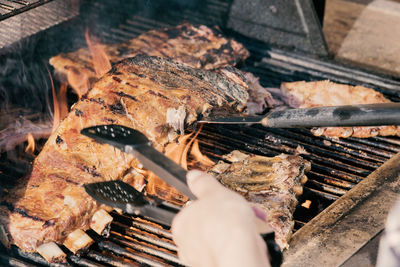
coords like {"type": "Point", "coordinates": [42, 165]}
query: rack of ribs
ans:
{"type": "Point", "coordinates": [138, 93]}
{"type": "Point", "coordinates": [156, 96]}
{"type": "Point", "coordinates": [270, 183]}
{"type": "Point", "coordinates": [197, 46]}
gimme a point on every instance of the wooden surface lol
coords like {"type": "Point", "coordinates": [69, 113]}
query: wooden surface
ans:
{"type": "Point", "coordinates": [365, 33]}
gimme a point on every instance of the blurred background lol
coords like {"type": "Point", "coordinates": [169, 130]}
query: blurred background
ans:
{"type": "Point", "coordinates": [364, 32]}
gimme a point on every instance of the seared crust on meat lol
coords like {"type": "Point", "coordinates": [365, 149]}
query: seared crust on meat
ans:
{"type": "Point", "coordinates": [270, 183]}
{"type": "Point", "coordinates": [194, 45]}
{"type": "Point", "coordinates": [325, 93]}
{"type": "Point", "coordinates": [137, 92]}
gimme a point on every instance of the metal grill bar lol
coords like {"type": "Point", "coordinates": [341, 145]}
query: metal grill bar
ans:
{"type": "Point", "coordinates": [337, 164]}
{"type": "Point", "coordinates": [129, 253]}
{"type": "Point", "coordinates": [80, 261]}
{"type": "Point", "coordinates": [6, 260]}
{"type": "Point", "coordinates": [106, 258]}
{"type": "Point", "coordinates": [131, 243]}
{"type": "Point", "coordinates": [21, 21]}
{"type": "Point", "coordinates": [9, 8]}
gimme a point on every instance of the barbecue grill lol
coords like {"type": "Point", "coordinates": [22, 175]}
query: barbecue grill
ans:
{"type": "Point", "coordinates": [352, 183]}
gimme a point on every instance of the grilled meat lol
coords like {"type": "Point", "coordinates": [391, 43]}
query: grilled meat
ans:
{"type": "Point", "coordinates": [194, 45]}
{"type": "Point", "coordinates": [325, 93]}
{"type": "Point", "coordinates": [269, 183]}
{"type": "Point", "coordinates": [138, 92]}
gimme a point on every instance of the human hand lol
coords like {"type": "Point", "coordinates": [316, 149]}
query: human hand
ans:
{"type": "Point", "coordinates": [219, 229]}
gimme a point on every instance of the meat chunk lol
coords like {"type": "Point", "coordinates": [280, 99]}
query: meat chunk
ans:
{"type": "Point", "coordinates": [194, 45]}
{"type": "Point", "coordinates": [325, 93]}
{"type": "Point", "coordinates": [272, 184]}
{"type": "Point", "coordinates": [137, 93]}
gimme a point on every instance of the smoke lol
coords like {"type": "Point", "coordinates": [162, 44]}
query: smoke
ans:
{"type": "Point", "coordinates": [25, 88]}
{"type": "Point", "coordinates": [25, 102]}
{"type": "Point", "coordinates": [16, 132]}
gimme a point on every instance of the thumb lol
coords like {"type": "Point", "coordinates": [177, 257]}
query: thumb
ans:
{"type": "Point", "coordinates": [202, 184]}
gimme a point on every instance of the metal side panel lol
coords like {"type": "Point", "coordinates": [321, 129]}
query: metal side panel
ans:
{"type": "Point", "coordinates": [348, 224]}
{"type": "Point", "coordinates": [291, 24]}
{"type": "Point", "coordinates": [35, 20]}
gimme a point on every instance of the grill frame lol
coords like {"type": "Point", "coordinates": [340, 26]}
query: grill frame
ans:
{"type": "Point", "coordinates": [32, 18]}
{"type": "Point", "coordinates": [298, 67]}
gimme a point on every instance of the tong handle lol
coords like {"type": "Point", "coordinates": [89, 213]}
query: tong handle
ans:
{"type": "Point", "coordinates": [331, 116]}
{"type": "Point", "coordinates": [155, 213]}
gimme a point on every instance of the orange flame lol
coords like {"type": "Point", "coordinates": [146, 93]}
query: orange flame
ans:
{"type": "Point", "coordinates": [100, 60]}
{"type": "Point", "coordinates": [306, 204]}
{"type": "Point", "coordinates": [30, 148]}
{"type": "Point", "coordinates": [178, 152]}
{"type": "Point", "coordinates": [200, 157]}
{"type": "Point", "coordinates": [202, 161]}
{"type": "Point", "coordinates": [56, 115]}
{"type": "Point", "coordinates": [62, 98]}
{"type": "Point", "coordinates": [59, 102]}
{"type": "Point", "coordinates": [78, 80]}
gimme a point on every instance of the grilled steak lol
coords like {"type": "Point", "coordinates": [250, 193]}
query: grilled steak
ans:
{"type": "Point", "coordinates": [325, 93]}
{"type": "Point", "coordinates": [269, 183]}
{"type": "Point", "coordinates": [139, 92]}
{"type": "Point", "coordinates": [195, 45]}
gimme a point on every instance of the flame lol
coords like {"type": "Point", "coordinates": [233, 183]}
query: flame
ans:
{"type": "Point", "coordinates": [59, 102]}
{"type": "Point", "coordinates": [202, 160]}
{"type": "Point", "coordinates": [56, 115]}
{"type": "Point", "coordinates": [100, 60]}
{"type": "Point", "coordinates": [78, 80]}
{"type": "Point", "coordinates": [178, 152]}
{"type": "Point", "coordinates": [199, 157]}
{"type": "Point", "coordinates": [30, 148]}
{"type": "Point", "coordinates": [62, 99]}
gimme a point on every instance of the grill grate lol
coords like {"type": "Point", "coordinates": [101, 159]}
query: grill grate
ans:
{"type": "Point", "coordinates": [337, 164]}
{"type": "Point", "coordinates": [10, 8]}
{"type": "Point", "coordinates": [20, 19]}
{"type": "Point", "coordinates": [132, 242]}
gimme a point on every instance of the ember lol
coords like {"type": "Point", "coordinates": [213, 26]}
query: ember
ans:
{"type": "Point", "coordinates": [306, 204]}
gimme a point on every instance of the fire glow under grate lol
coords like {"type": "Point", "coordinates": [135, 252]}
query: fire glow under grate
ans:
{"type": "Point", "coordinates": [337, 164]}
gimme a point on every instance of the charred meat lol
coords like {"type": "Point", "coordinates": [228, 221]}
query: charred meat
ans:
{"type": "Point", "coordinates": [271, 184]}
{"type": "Point", "coordinates": [194, 45]}
{"type": "Point", "coordinates": [139, 92]}
{"type": "Point", "coordinates": [325, 93]}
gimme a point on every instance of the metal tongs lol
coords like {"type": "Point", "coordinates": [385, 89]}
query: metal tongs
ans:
{"type": "Point", "coordinates": [329, 116]}
{"type": "Point", "coordinates": [121, 195]}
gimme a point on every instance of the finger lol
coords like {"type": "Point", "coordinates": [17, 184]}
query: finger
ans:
{"type": "Point", "coordinates": [262, 223]}
{"type": "Point", "coordinates": [186, 233]}
{"type": "Point", "coordinates": [202, 184]}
